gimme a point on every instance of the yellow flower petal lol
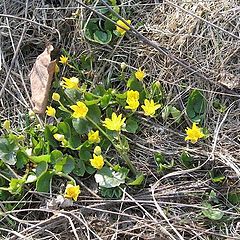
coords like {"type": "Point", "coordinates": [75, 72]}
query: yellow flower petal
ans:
{"type": "Point", "coordinates": [150, 107]}
{"type": "Point", "coordinates": [71, 83]}
{"type": "Point", "coordinates": [97, 161]}
{"type": "Point", "coordinates": [72, 192]}
{"type": "Point", "coordinates": [64, 60]}
{"type": "Point", "coordinates": [115, 123]}
{"type": "Point", "coordinates": [80, 110]}
{"type": "Point", "coordinates": [125, 28]}
{"type": "Point", "coordinates": [140, 74]}
{"type": "Point", "coordinates": [93, 137]}
{"type": "Point", "coordinates": [194, 133]}
{"type": "Point", "coordinates": [51, 111]}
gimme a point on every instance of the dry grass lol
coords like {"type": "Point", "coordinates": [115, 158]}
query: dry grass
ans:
{"type": "Point", "coordinates": [206, 35]}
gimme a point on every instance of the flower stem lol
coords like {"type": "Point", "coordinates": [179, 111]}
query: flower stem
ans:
{"type": "Point", "coordinates": [121, 153]}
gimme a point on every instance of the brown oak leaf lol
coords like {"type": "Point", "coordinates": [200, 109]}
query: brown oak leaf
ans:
{"type": "Point", "coordinates": [41, 78]}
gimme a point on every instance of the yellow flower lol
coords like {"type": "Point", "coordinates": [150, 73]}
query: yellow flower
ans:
{"type": "Point", "coordinates": [56, 70]}
{"type": "Point", "coordinates": [97, 161]}
{"type": "Point", "coordinates": [122, 24]}
{"type": "Point", "coordinates": [140, 74]}
{"type": "Point", "coordinates": [115, 123]}
{"type": "Point", "coordinates": [64, 60]}
{"type": "Point", "coordinates": [80, 110]}
{"type": "Point", "coordinates": [150, 107]}
{"type": "Point", "coordinates": [59, 137]}
{"type": "Point", "coordinates": [72, 192]}
{"type": "Point", "coordinates": [97, 150]}
{"type": "Point", "coordinates": [132, 100]}
{"type": "Point", "coordinates": [51, 111]}
{"type": "Point", "coordinates": [70, 82]}
{"type": "Point", "coordinates": [93, 137]}
{"type": "Point", "coordinates": [56, 97]}
{"type": "Point", "coordinates": [7, 124]}
{"type": "Point", "coordinates": [194, 133]}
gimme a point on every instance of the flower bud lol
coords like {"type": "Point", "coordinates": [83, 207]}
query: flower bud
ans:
{"type": "Point", "coordinates": [56, 97]}
{"type": "Point", "coordinates": [97, 150]}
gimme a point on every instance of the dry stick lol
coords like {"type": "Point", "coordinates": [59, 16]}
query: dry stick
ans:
{"type": "Point", "coordinates": [31, 21]}
{"type": "Point", "coordinates": [202, 19]}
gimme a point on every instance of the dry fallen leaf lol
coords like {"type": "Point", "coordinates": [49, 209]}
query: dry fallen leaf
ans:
{"type": "Point", "coordinates": [41, 78]}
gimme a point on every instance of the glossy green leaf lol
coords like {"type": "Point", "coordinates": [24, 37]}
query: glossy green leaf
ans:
{"type": "Point", "coordinates": [80, 168]}
{"type": "Point", "coordinates": [22, 159]}
{"type": "Point", "coordinates": [69, 165]}
{"type": "Point", "coordinates": [81, 126]}
{"type": "Point", "coordinates": [196, 106]}
{"type": "Point", "coordinates": [212, 213]}
{"type": "Point", "coordinates": [8, 151]}
{"type": "Point", "coordinates": [42, 158]}
{"type": "Point", "coordinates": [108, 179]}
{"type": "Point", "coordinates": [102, 37]}
{"type": "Point", "coordinates": [131, 125]}
{"type": "Point", "coordinates": [41, 168]}
{"type": "Point", "coordinates": [55, 156]}
{"type": "Point", "coordinates": [137, 181]}
{"type": "Point", "coordinates": [94, 113]}
{"type": "Point", "coordinates": [44, 181]}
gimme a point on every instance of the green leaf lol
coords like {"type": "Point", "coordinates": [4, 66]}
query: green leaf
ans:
{"type": "Point", "coordinates": [8, 151]}
{"type": "Point", "coordinates": [186, 159]}
{"type": "Point", "coordinates": [90, 170]}
{"type": "Point", "coordinates": [131, 125]}
{"type": "Point", "coordinates": [196, 106]}
{"type": "Point", "coordinates": [105, 100]}
{"type": "Point", "coordinates": [94, 113]}
{"type": "Point", "coordinates": [81, 126]}
{"type": "Point", "coordinates": [111, 192]}
{"type": "Point", "coordinates": [134, 84]}
{"type": "Point", "coordinates": [211, 213]}
{"type": "Point", "coordinates": [102, 37]}
{"type": "Point", "coordinates": [73, 94]}
{"type": "Point", "coordinates": [48, 134]}
{"type": "Point", "coordinates": [16, 185]}
{"type": "Point", "coordinates": [41, 168]}
{"type": "Point", "coordinates": [64, 128]}
{"type": "Point", "coordinates": [176, 114]}
{"type": "Point", "coordinates": [108, 179]}
{"type": "Point", "coordinates": [80, 168]}
{"type": "Point", "coordinates": [69, 165]}
{"type": "Point", "coordinates": [59, 164]}
{"type": "Point", "coordinates": [138, 180]}
{"type": "Point", "coordinates": [162, 162]}
{"type": "Point", "coordinates": [55, 156]}
{"type": "Point", "coordinates": [44, 181]}
{"type": "Point", "coordinates": [234, 197]}
{"type": "Point", "coordinates": [166, 112]}
{"type": "Point", "coordinates": [22, 159]}
{"type": "Point", "coordinates": [42, 158]}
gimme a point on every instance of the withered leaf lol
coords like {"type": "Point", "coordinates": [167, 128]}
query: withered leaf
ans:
{"type": "Point", "coordinates": [41, 78]}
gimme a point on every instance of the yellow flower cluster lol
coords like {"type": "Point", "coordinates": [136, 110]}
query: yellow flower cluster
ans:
{"type": "Point", "coordinates": [115, 123]}
{"type": "Point", "coordinates": [194, 133]}
{"type": "Point", "coordinates": [132, 100]}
